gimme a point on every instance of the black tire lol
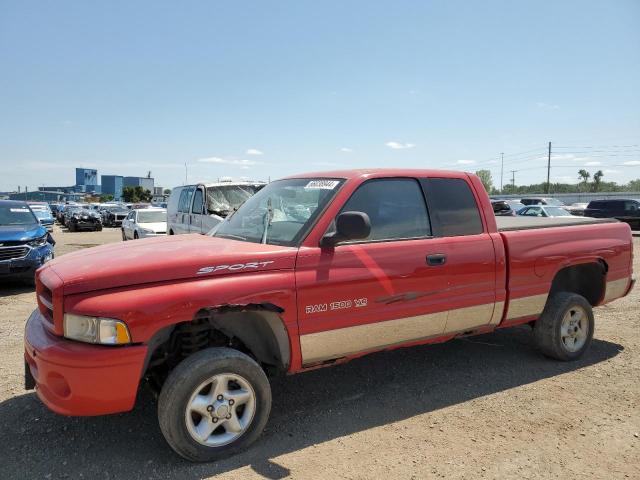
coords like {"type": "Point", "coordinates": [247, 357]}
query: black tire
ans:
{"type": "Point", "coordinates": [547, 330]}
{"type": "Point", "coordinates": [99, 228]}
{"type": "Point", "coordinates": [135, 235]}
{"type": "Point", "coordinates": [71, 227]}
{"type": "Point", "coordinates": [124, 237]}
{"type": "Point", "coordinates": [181, 385]}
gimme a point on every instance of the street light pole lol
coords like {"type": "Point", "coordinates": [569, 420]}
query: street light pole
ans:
{"type": "Point", "coordinates": [501, 170]}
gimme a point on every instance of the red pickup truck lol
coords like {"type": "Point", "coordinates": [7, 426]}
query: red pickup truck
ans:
{"type": "Point", "coordinates": [311, 271]}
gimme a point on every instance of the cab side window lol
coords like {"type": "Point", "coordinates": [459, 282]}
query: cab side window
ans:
{"type": "Point", "coordinates": [395, 206]}
{"type": "Point", "coordinates": [198, 201]}
{"type": "Point", "coordinates": [185, 200]}
{"type": "Point", "coordinates": [453, 208]}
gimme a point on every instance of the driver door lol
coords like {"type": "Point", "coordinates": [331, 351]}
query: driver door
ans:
{"type": "Point", "coordinates": [415, 277]}
{"type": "Point", "coordinates": [198, 211]}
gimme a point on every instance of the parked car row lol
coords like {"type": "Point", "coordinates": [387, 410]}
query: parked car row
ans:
{"type": "Point", "coordinates": [625, 210]}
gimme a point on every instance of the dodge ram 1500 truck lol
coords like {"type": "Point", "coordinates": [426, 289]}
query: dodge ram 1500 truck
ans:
{"type": "Point", "coordinates": [311, 271]}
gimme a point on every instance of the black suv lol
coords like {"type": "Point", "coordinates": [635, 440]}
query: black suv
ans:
{"type": "Point", "coordinates": [624, 210]}
{"type": "Point", "coordinates": [83, 219]}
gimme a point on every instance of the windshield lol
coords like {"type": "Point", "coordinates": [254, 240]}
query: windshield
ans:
{"type": "Point", "coordinates": [557, 212]}
{"type": "Point", "coordinates": [152, 216]}
{"type": "Point", "coordinates": [224, 199]}
{"type": "Point", "coordinates": [16, 215]}
{"type": "Point", "coordinates": [41, 213]}
{"type": "Point", "coordinates": [280, 213]}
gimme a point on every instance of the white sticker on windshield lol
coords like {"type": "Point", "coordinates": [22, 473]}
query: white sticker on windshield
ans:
{"type": "Point", "coordinates": [19, 210]}
{"type": "Point", "coordinates": [322, 184]}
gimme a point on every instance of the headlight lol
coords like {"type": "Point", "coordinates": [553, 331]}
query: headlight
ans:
{"type": "Point", "coordinates": [107, 331]}
{"type": "Point", "coordinates": [38, 242]}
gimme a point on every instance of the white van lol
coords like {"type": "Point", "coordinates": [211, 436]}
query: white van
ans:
{"type": "Point", "coordinates": [199, 208]}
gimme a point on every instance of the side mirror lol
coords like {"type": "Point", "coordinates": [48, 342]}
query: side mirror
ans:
{"type": "Point", "coordinates": [349, 226]}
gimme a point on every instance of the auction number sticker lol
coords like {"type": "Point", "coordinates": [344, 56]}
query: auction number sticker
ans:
{"type": "Point", "coordinates": [321, 184]}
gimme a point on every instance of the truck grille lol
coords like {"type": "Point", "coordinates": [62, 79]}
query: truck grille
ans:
{"type": "Point", "coordinates": [45, 301]}
{"type": "Point", "coordinates": [11, 253]}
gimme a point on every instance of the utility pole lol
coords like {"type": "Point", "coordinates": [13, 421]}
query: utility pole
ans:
{"type": "Point", "coordinates": [549, 169]}
{"type": "Point", "coordinates": [501, 170]}
{"type": "Point", "coordinates": [513, 180]}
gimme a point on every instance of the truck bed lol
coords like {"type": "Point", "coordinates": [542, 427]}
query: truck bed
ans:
{"type": "Point", "coordinates": [507, 224]}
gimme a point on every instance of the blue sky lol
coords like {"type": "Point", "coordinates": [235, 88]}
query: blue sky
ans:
{"type": "Point", "coordinates": [267, 89]}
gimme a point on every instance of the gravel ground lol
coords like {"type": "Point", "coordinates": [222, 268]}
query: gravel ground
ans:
{"type": "Point", "coordinates": [483, 407]}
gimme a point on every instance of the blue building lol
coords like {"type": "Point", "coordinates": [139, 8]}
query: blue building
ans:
{"type": "Point", "coordinates": [87, 177]}
{"type": "Point", "coordinates": [145, 182]}
{"type": "Point", "coordinates": [112, 184]}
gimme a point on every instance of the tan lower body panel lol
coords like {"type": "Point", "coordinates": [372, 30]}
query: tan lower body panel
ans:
{"type": "Point", "coordinates": [498, 311]}
{"type": "Point", "coordinates": [341, 342]}
{"type": "Point", "coordinates": [616, 289]}
{"type": "Point", "coordinates": [526, 306]}
{"type": "Point", "coordinates": [470, 317]}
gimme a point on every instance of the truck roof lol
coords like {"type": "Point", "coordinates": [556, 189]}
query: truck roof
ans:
{"type": "Point", "coordinates": [382, 172]}
{"type": "Point", "coordinates": [223, 184]}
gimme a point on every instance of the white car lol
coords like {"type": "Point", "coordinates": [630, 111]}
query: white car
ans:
{"type": "Point", "coordinates": [143, 223]}
{"type": "Point", "coordinates": [543, 211]}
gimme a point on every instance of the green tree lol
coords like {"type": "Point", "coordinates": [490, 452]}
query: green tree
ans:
{"type": "Point", "coordinates": [584, 178]}
{"type": "Point", "coordinates": [485, 178]}
{"type": "Point", "coordinates": [597, 180]}
{"type": "Point", "coordinates": [106, 197]}
{"type": "Point", "coordinates": [633, 185]}
{"type": "Point", "coordinates": [167, 191]}
{"type": "Point", "coordinates": [136, 194]}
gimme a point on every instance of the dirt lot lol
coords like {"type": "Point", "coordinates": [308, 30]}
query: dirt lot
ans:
{"type": "Point", "coordinates": [484, 407]}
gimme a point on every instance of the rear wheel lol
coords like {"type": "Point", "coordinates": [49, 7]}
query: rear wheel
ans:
{"type": "Point", "coordinates": [214, 404]}
{"type": "Point", "coordinates": [124, 237]}
{"type": "Point", "coordinates": [72, 227]}
{"type": "Point", "coordinates": [135, 235]}
{"type": "Point", "coordinates": [565, 329]}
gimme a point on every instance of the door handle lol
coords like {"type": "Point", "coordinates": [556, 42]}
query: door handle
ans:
{"type": "Point", "coordinates": [436, 259]}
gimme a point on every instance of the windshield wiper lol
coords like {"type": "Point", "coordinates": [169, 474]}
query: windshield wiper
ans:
{"type": "Point", "coordinates": [230, 235]}
{"type": "Point", "coordinates": [268, 216]}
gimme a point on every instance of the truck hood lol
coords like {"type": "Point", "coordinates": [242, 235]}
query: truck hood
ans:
{"type": "Point", "coordinates": [161, 259]}
{"type": "Point", "coordinates": [21, 233]}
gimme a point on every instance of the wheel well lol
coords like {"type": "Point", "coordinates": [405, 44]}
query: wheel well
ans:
{"type": "Point", "coordinates": [255, 329]}
{"type": "Point", "coordinates": [587, 279]}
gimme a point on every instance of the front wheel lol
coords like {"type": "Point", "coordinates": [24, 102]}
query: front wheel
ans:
{"type": "Point", "coordinates": [565, 329]}
{"type": "Point", "coordinates": [214, 404]}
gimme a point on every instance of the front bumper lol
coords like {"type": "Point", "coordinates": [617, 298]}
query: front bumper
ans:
{"type": "Point", "coordinates": [73, 378]}
{"type": "Point", "coordinates": [27, 265]}
{"type": "Point", "coordinates": [85, 224]}
{"type": "Point", "coordinates": [151, 235]}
